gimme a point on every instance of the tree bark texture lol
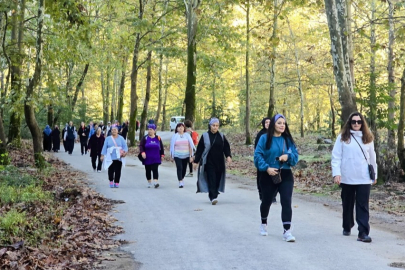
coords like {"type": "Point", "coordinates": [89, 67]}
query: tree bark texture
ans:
{"type": "Point", "coordinates": [192, 23]}
{"type": "Point", "coordinates": [17, 35]}
{"type": "Point", "coordinates": [248, 140]}
{"type": "Point", "coordinates": [391, 75]}
{"type": "Point", "coordinates": [29, 109]}
{"type": "Point", "coordinates": [144, 114]}
{"type": "Point", "coordinates": [401, 125]}
{"type": "Point", "coordinates": [134, 95]}
{"type": "Point", "coordinates": [165, 99]}
{"type": "Point", "coordinates": [121, 90]}
{"type": "Point", "coordinates": [332, 112]}
{"type": "Point", "coordinates": [337, 23]}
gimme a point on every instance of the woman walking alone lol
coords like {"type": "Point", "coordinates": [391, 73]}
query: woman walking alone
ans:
{"type": "Point", "coordinates": [152, 151]}
{"type": "Point", "coordinates": [47, 141]}
{"type": "Point", "coordinates": [181, 150]}
{"type": "Point", "coordinates": [55, 139]}
{"type": "Point", "coordinates": [276, 154]}
{"type": "Point", "coordinates": [113, 156]}
{"type": "Point", "coordinates": [95, 146]}
{"type": "Point", "coordinates": [212, 150]}
{"type": "Point", "coordinates": [352, 153]}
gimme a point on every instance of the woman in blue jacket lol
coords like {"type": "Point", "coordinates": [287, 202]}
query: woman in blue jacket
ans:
{"type": "Point", "coordinates": [276, 153]}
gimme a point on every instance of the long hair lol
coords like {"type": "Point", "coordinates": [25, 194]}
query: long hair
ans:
{"type": "Point", "coordinates": [270, 132]}
{"type": "Point", "coordinates": [345, 132]}
{"type": "Point", "coordinates": [178, 125]}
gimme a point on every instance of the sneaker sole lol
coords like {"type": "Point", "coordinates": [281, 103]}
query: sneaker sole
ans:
{"type": "Point", "coordinates": [214, 202]}
{"type": "Point", "coordinates": [264, 234]}
{"type": "Point", "coordinates": [157, 185]}
{"type": "Point", "coordinates": [289, 240]}
{"type": "Point", "coordinates": [364, 241]}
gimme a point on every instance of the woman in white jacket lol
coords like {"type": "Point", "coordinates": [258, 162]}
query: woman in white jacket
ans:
{"type": "Point", "coordinates": [352, 153]}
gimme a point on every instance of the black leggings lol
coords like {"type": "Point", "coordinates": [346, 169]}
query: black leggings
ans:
{"type": "Point", "coordinates": [152, 168]}
{"type": "Point", "coordinates": [114, 171]}
{"type": "Point", "coordinates": [93, 162]}
{"type": "Point", "coordinates": [181, 165]}
{"type": "Point", "coordinates": [83, 145]}
{"type": "Point", "coordinates": [190, 166]}
{"type": "Point", "coordinates": [269, 190]}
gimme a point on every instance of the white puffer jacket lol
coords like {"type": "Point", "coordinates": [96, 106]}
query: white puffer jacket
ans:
{"type": "Point", "coordinates": [348, 160]}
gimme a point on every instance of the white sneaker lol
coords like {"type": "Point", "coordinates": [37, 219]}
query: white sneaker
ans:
{"type": "Point", "coordinates": [288, 237]}
{"type": "Point", "coordinates": [149, 185]}
{"type": "Point", "coordinates": [263, 229]}
{"type": "Point", "coordinates": [214, 201]}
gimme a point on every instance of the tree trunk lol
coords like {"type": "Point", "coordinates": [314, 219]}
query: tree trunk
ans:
{"type": "Point", "coordinates": [113, 96]}
{"type": "Point", "coordinates": [400, 149]}
{"type": "Point", "coordinates": [134, 96]}
{"type": "Point", "coordinates": [144, 114]}
{"type": "Point", "coordinates": [248, 140]}
{"type": "Point", "coordinates": [50, 115]}
{"type": "Point", "coordinates": [192, 23]}
{"type": "Point", "coordinates": [160, 87]}
{"type": "Point", "coordinates": [274, 44]}
{"type": "Point", "coordinates": [4, 159]}
{"type": "Point", "coordinates": [297, 67]}
{"type": "Point", "coordinates": [350, 38]}
{"type": "Point", "coordinates": [337, 23]}
{"type": "Point", "coordinates": [79, 86]}
{"type": "Point", "coordinates": [122, 89]}
{"type": "Point", "coordinates": [14, 133]}
{"type": "Point", "coordinates": [29, 110]}
{"type": "Point", "coordinates": [165, 100]}
{"type": "Point", "coordinates": [391, 76]}
{"type": "Point", "coordinates": [332, 112]}
{"type": "Point", "coordinates": [214, 99]}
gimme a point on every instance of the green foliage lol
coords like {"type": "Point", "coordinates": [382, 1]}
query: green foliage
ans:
{"type": "Point", "coordinates": [11, 223]}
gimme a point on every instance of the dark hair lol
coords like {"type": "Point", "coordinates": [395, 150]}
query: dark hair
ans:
{"type": "Point", "coordinates": [345, 132]}
{"type": "Point", "coordinates": [179, 124]}
{"type": "Point", "coordinates": [188, 123]}
{"type": "Point", "coordinates": [270, 133]}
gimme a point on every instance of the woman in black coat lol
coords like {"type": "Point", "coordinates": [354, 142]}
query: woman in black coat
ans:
{"type": "Point", "coordinates": [95, 146]}
{"type": "Point", "coordinates": [55, 139]}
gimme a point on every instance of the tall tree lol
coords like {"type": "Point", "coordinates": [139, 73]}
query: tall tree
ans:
{"type": "Point", "coordinates": [391, 75]}
{"type": "Point", "coordinates": [29, 106]}
{"type": "Point", "coordinates": [401, 125]}
{"type": "Point", "coordinates": [248, 140]}
{"type": "Point", "coordinates": [192, 23]}
{"type": "Point", "coordinates": [144, 114]}
{"type": "Point", "coordinates": [337, 22]}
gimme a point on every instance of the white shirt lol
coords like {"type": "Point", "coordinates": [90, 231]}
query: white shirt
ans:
{"type": "Point", "coordinates": [348, 160]}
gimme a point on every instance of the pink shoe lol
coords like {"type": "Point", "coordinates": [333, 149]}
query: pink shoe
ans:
{"type": "Point", "coordinates": [111, 184]}
{"type": "Point", "coordinates": [117, 185]}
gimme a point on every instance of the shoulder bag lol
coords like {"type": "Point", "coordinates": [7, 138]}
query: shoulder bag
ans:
{"type": "Point", "coordinates": [277, 177]}
{"type": "Point", "coordinates": [370, 167]}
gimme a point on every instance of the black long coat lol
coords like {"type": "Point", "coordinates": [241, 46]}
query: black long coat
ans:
{"type": "Point", "coordinates": [55, 139]}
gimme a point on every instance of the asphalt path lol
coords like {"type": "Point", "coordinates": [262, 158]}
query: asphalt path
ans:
{"type": "Point", "coordinates": [170, 228]}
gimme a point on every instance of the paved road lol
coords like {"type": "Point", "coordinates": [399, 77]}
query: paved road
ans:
{"type": "Point", "coordinates": [170, 228]}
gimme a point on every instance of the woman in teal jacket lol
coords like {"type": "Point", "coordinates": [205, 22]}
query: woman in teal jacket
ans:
{"type": "Point", "coordinates": [276, 153]}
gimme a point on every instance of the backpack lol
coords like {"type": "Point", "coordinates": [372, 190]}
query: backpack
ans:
{"type": "Point", "coordinates": [194, 137]}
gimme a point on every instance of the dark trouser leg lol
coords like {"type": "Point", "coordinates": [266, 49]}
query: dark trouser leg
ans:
{"type": "Point", "coordinates": [213, 179]}
{"type": "Point", "coordinates": [111, 171]}
{"type": "Point", "coordinates": [93, 162]}
{"type": "Point", "coordinates": [185, 162]}
{"type": "Point", "coordinates": [258, 184]}
{"type": "Point", "coordinates": [83, 146]}
{"type": "Point", "coordinates": [348, 195]}
{"type": "Point", "coordinates": [190, 167]}
{"type": "Point", "coordinates": [65, 145]}
{"type": "Point", "coordinates": [148, 171]}
{"type": "Point", "coordinates": [155, 171]}
{"type": "Point", "coordinates": [117, 172]}
{"type": "Point", "coordinates": [285, 189]}
{"type": "Point", "coordinates": [99, 163]}
{"type": "Point", "coordinates": [179, 167]}
{"type": "Point", "coordinates": [362, 211]}
{"type": "Point", "coordinates": [71, 145]}
{"type": "Point", "coordinates": [268, 189]}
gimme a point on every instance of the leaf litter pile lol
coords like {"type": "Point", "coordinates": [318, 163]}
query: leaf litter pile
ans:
{"type": "Point", "coordinates": [313, 174]}
{"type": "Point", "coordinates": [81, 228]}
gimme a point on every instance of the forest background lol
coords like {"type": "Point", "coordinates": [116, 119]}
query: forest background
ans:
{"type": "Point", "coordinates": [314, 61]}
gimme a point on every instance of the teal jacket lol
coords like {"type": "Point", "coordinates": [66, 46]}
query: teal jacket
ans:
{"type": "Point", "coordinates": [266, 158]}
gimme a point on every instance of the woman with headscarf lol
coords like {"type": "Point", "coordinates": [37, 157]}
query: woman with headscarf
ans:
{"type": "Point", "coordinates": [47, 142]}
{"type": "Point", "coordinates": [55, 139]}
{"type": "Point", "coordinates": [212, 149]}
{"type": "Point", "coordinates": [95, 146]}
{"type": "Point", "coordinates": [265, 125]}
{"type": "Point", "coordinates": [152, 151]}
{"type": "Point", "coordinates": [113, 156]}
{"type": "Point", "coordinates": [275, 154]}
{"type": "Point", "coordinates": [181, 150]}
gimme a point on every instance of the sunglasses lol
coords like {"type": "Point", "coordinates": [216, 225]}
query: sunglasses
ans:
{"type": "Point", "coordinates": [359, 122]}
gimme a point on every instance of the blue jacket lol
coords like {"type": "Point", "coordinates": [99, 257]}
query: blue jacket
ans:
{"type": "Point", "coordinates": [266, 158]}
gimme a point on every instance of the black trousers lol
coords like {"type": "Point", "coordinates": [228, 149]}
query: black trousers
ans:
{"type": "Point", "coordinates": [114, 171]}
{"type": "Point", "coordinates": [65, 145]}
{"type": "Point", "coordinates": [190, 167]}
{"type": "Point", "coordinates": [93, 162]}
{"type": "Point", "coordinates": [269, 190]}
{"type": "Point", "coordinates": [83, 145]}
{"type": "Point", "coordinates": [152, 168]}
{"type": "Point", "coordinates": [181, 165]}
{"type": "Point", "coordinates": [213, 179]}
{"type": "Point", "coordinates": [359, 195]}
{"type": "Point", "coordinates": [70, 143]}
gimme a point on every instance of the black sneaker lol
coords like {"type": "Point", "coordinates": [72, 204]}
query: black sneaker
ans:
{"type": "Point", "coordinates": [346, 233]}
{"type": "Point", "coordinates": [364, 238]}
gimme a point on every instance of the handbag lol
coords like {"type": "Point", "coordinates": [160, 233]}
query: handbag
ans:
{"type": "Point", "coordinates": [141, 159]}
{"type": "Point", "coordinates": [277, 177]}
{"type": "Point", "coordinates": [371, 171]}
